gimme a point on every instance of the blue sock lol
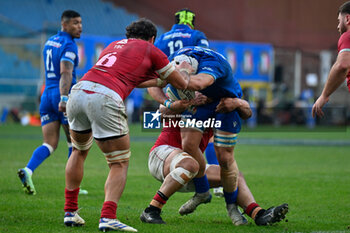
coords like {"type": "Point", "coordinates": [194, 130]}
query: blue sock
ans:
{"type": "Point", "coordinates": [210, 154]}
{"type": "Point", "coordinates": [70, 148]}
{"type": "Point", "coordinates": [38, 156]}
{"type": "Point", "coordinates": [231, 198]}
{"type": "Point", "coordinates": [201, 184]}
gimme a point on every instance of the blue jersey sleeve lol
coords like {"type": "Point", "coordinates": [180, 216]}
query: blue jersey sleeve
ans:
{"type": "Point", "coordinates": [70, 53]}
{"type": "Point", "coordinates": [212, 67]}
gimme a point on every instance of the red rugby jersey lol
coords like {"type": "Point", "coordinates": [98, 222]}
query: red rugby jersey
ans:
{"type": "Point", "coordinates": [125, 64]}
{"type": "Point", "coordinates": [344, 45]}
{"type": "Point", "coordinates": [172, 137]}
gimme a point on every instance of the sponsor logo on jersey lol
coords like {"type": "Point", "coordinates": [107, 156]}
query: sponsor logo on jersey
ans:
{"type": "Point", "coordinates": [177, 34]}
{"type": "Point", "coordinates": [53, 44]}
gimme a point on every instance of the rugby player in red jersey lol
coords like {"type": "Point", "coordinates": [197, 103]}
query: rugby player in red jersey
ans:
{"type": "Point", "coordinates": [340, 70]}
{"type": "Point", "coordinates": [175, 168]}
{"type": "Point", "coordinates": [96, 110]}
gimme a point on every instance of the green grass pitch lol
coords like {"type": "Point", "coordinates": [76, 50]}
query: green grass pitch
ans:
{"type": "Point", "coordinates": [313, 179]}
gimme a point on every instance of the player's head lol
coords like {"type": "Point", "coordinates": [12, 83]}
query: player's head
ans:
{"type": "Point", "coordinates": [71, 23]}
{"type": "Point", "coordinates": [143, 29]}
{"type": "Point", "coordinates": [185, 16]}
{"type": "Point", "coordinates": [344, 17]}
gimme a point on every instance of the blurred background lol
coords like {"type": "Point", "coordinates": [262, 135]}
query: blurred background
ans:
{"type": "Point", "coordinates": [280, 50]}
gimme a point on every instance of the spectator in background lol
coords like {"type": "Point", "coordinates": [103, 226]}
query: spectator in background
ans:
{"type": "Point", "coordinates": [96, 110]}
{"type": "Point", "coordinates": [340, 70]}
{"type": "Point", "coordinates": [60, 59]}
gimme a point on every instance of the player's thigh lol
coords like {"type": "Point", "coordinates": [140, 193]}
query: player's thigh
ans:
{"type": "Point", "coordinates": [114, 143]}
{"type": "Point", "coordinates": [159, 160]}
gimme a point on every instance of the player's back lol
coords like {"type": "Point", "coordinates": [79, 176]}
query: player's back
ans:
{"type": "Point", "coordinates": [215, 64]}
{"type": "Point", "coordinates": [57, 48]}
{"type": "Point", "coordinates": [180, 36]}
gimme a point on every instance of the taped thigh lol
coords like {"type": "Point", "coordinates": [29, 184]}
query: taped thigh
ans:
{"type": "Point", "coordinates": [84, 145]}
{"type": "Point", "coordinates": [117, 156]}
{"type": "Point", "coordinates": [225, 140]}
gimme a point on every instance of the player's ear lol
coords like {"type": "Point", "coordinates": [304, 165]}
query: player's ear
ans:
{"type": "Point", "coordinates": [152, 40]}
{"type": "Point", "coordinates": [347, 17]}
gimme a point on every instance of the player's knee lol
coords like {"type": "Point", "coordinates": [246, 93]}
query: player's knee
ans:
{"type": "Point", "coordinates": [190, 164]}
{"type": "Point", "coordinates": [118, 156]}
{"type": "Point", "coordinates": [182, 175]}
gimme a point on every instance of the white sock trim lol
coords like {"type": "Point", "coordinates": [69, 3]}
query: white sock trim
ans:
{"type": "Point", "coordinates": [48, 147]}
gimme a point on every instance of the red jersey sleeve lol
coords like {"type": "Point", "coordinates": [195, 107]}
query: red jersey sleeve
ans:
{"type": "Point", "coordinates": [344, 46]}
{"type": "Point", "coordinates": [344, 42]}
{"type": "Point", "coordinates": [158, 58]}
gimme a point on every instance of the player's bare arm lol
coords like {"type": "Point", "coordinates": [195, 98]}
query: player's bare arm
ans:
{"type": "Point", "coordinates": [158, 95]}
{"type": "Point", "coordinates": [336, 77]}
{"type": "Point", "coordinates": [232, 104]}
{"type": "Point", "coordinates": [153, 83]}
{"type": "Point", "coordinates": [200, 81]}
{"type": "Point", "coordinates": [66, 69]}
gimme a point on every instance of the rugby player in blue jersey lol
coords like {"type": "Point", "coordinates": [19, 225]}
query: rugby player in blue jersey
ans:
{"type": "Point", "coordinates": [60, 60]}
{"type": "Point", "coordinates": [182, 34]}
{"type": "Point", "coordinates": [214, 79]}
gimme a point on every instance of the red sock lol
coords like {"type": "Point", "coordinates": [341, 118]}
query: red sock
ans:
{"type": "Point", "coordinates": [109, 210]}
{"type": "Point", "coordinates": [250, 208]}
{"type": "Point", "coordinates": [71, 203]}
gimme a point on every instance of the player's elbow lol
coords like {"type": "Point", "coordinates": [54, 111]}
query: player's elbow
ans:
{"type": "Point", "coordinates": [342, 66]}
{"type": "Point", "coordinates": [245, 114]}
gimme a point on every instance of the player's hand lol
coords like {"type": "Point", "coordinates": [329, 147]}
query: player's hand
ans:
{"type": "Point", "coordinates": [318, 105]}
{"type": "Point", "coordinates": [179, 106]}
{"type": "Point", "coordinates": [62, 107]}
{"type": "Point", "coordinates": [200, 99]}
{"type": "Point", "coordinates": [185, 66]}
{"type": "Point", "coordinates": [228, 105]}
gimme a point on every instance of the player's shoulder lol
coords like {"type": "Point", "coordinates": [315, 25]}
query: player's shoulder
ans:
{"type": "Point", "coordinates": [344, 37]}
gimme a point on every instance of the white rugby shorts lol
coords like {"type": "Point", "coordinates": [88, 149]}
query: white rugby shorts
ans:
{"type": "Point", "coordinates": [156, 161]}
{"type": "Point", "coordinates": [102, 110]}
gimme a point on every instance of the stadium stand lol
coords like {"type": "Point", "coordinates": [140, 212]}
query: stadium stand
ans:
{"type": "Point", "coordinates": [24, 25]}
{"type": "Point", "coordinates": [41, 15]}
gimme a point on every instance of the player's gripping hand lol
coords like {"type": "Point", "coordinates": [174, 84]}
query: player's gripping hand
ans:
{"type": "Point", "coordinates": [62, 104]}
{"type": "Point", "coordinates": [179, 106]}
{"type": "Point", "coordinates": [185, 66]}
{"type": "Point", "coordinates": [228, 105]}
{"type": "Point", "coordinates": [200, 99]}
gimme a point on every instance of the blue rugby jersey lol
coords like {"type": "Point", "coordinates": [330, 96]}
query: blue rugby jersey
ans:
{"type": "Point", "coordinates": [215, 64]}
{"type": "Point", "coordinates": [180, 36]}
{"type": "Point", "coordinates": [60, 47]}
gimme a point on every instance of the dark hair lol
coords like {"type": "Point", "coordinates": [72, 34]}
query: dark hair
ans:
{"type": "Point", "coordinates": [69, 14]}
{"type": "Point", "coordinates": [345, 8]}
{"type": "Point", "coordinates": [185, 16]}
{"type": "Point", "coordinates": [141, 29]}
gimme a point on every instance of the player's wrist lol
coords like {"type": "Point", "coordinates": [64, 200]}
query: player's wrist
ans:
{"type": "Point", "coordinates": [167, 103]}
{"type": "Point", "coordinates": [160, 82]}
{"type": "Point", "coordinates": [64, 98]}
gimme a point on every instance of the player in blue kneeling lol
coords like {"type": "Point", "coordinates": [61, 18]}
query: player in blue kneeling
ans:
{"type": "Point", "coordinates": [60, 59]}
